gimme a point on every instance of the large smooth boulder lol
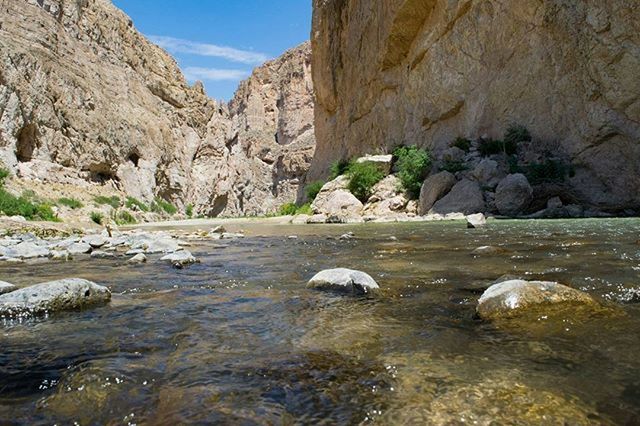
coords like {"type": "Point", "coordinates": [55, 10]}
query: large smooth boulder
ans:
{"type": "Point", "coordinates": [78, 248]}
{"type": "Point", "coordinates": [26, 250]}
{"type": "Point", "coordinates": [344, 280]}
{"type": "Point", "coordinates": [180, 258]}
{"type": "Point", "coordinates": [513, 298]}
{"type": "Point", "coordinates": [476, 221]}
{"type": "Point", "coordinates": [487, 173]}
{"type": "Point", "coordinates": [434, 188]}
{"type": "Point", "coordinates": [6, 287]}
{"type": "Point", "coordinates": [335, 200]}
{"type": "Point", "coordinates": [54, 296]}
{"type": "Point", "coordinates": [465, 197]}
{"type": "Point", "coordinates": [513, 195]}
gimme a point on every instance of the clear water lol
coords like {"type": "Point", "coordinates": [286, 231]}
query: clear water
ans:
{"type": "Point", "coordinates": [238, 339]}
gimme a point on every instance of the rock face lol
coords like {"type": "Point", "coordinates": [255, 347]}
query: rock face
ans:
{"type": "Point", "coordinates": [512, 298]}
{"type": "Point", "coordinates": [344, 280]}
{"type": "Point", "coordinates": [54, 296]}
{"type": "Point", "coordinates": [424, 72]}
{"type": "Point", "coordinates": [86, 100]}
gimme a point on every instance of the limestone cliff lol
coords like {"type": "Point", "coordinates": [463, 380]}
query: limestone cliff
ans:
{"type": "Point", "coordinates": [82, 91]}
{"type": "Point", "coordinates": [86, 100]}
{"type": "Point", "coordinates": [255, 159]}
{"type": "Point", "coordinates": [427, 71]}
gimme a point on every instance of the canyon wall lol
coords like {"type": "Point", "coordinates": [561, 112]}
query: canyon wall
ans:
{"type": "Point", "coordinates": [391, 72]}
{"type": "Point", "coordinates": [87, 100]}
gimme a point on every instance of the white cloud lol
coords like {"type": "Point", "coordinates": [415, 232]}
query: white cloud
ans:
{"type": "Point", "coordinates": [214, 74]}
{"type": "Point", "coordinates": [176, 45]}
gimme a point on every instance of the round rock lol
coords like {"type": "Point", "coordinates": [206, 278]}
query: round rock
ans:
{"type": "Point", "coordinates": [344, 280]}
{"type": "Point", "coordinates": [54, 296]}
{"type": "Point", "coordinates": [513, 298]}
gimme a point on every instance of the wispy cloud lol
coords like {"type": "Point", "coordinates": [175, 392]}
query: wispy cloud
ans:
{"type": "Point", "coordinates": [176, 45]}
{"type": "Point", "coordinates": [214, 74]}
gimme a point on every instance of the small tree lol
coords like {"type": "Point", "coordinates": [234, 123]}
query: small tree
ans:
{"type": "Point", "coordinates": [413, 165]}
{"type": "Point", "coordinates": [362, 178]}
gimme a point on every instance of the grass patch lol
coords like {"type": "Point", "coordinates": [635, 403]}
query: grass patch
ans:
{"type": "Point", "coordinates": [11, 205]}
{"type": "Point", "coordinates": [362, 178]}
{"type": "Point", "coordinates": [96, 217]}
{"type": "Point", "coordinates": [4, 174]}
{"type": "Point", "coordinates": [292, 209]}
{"type": "Point", "coordinates": [413, 166]}
{"type": "Point", "coordinates": [515, 134]}
{"type": "Point", "coordinates": [72, 203]}
{"type": "Point", "coordinates": [162, 206]}
{"type": "Point", "coordinates": [133, 203]}
{"type": "Point", "coordinates": [113, 201]}
{"type": "Point", "coordinates": [189, 210]}
{"type": "Point", "coordinates": [124, 218]}
{"type": "Point", "coordinates": [462, 143]}
{"type": "Point", "coordinates": [313, 189]}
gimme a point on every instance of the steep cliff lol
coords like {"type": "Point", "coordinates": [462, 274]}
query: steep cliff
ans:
{"type": "Point", "coordinates": [427, 71]}
{"type": "Point", "coordinates": [82, 89]}
{"type": "Point", "coordinates": [86, 100]}
{"type": "Point", "coordinates": [255, 159]}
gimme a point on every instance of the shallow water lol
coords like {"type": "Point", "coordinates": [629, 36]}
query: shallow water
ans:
{"type": "Point", "coordinates": [238, 339]}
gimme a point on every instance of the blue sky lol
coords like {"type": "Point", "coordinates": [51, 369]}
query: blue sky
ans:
{"type": "Point", "coordinates": [220, 41]}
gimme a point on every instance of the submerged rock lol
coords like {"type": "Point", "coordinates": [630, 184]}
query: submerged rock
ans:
{"type": "Point", "coordinates": [476, 221]}
{"type": "Point", "coordinates": [344, 280]}
{"type": "Point", "coordinates": [180, 259]}
{"type": "Point", "coordinates": [137, 259]}
{"type": "Point", "coordinates": [488, 250]}
{"type": "Point", "coordinates": [54, 296]}
{"type": "Point", "coordinates": [6, 287]}
{"type": "Point", "coordinates": [513, 298]}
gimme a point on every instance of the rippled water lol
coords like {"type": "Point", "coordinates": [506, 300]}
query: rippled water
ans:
{"type": "Point", "coordinates": [238, 339]}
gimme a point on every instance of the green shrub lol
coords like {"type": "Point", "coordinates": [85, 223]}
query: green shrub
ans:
{"type": "Point", "coordinates": [160, 205]}
{"type": "Point", "coordinates": [515, 134]}
{"type": "Point", "coordinates": [132, 203]}
{"type": "Point", "coordinates": [124, 218]}
{"type": "Point", "coordinates": [97, 217]}
{"type": "Point", "coordinates": [453, 166]}
{"type": "Point", "coordinates": [189, 210]}
{"type": "Point", "coordinates": [4, 173]}
{"type": "Point", "coordinates": [72, 203]}
{"type": "Point", "coordinates": [462, 143]}
{"type": "Point", "coordinates": [21, 206]}
{"type": "Point", "coordinates": [549, 171]}
{"type": "Point", "coordinates": [288, 209]}
{"type": "Point", "coordinates": [113, 201]}
{"type": "Point", "coordinates": [362, 178]}
{"type": "Point", "coordinates": [313, 189]}
{"type": "Point", "coordinates": [339, 168]}
{"type": "Point", "coordinates": [413, 166]}
{"type": "Point", "coordinates": [305, 209]}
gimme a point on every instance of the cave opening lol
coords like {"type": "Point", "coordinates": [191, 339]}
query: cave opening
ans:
{"type": "Point", "coordinates": [134, 158]}
{"type": "Point", "coordinates": [27, 143]}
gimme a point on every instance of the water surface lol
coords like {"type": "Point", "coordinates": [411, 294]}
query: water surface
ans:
{"type": "Point", "coordinates": [238, 339]}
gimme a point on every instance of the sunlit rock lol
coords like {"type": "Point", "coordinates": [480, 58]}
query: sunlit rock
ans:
{"type": "Point", "coordinates": [344, 280]}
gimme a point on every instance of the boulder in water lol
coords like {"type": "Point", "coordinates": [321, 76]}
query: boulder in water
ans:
{"type": "Point", "coordinates": [513, 298]}
{"type": "Point", "coordinates": [180, 259]}
{"type": "Point", "coordinates": [6, 287]}
{"type": "Point", "coordinates": [476, 221]}
{"type": "Point", "coordinates": [54, 296]}
{"type": "Point", "coordinates": [344, 280]}
{"type": "Point", "coordinates": [137, 259]}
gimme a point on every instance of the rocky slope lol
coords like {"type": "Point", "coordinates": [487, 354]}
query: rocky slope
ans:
{"type": "Point", "coordinates": [425, 72]}
{"type": "Point", "coordinates": [85, 101]}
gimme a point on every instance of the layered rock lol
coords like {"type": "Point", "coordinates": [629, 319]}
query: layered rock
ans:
{"type": "Point", "coordinates": [86, 100]}
{"type": "Point", "coordinates": [425, 72]}
{"type": "Point", "coordinates": [254, 160]}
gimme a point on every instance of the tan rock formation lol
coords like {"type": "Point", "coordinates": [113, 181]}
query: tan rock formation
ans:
{"type": "Point", "coordinates": [255, 160]}
{"type": "Point", "coordinates": [85, 98]}
{"type": "Point", "coordinates": [425, 72]}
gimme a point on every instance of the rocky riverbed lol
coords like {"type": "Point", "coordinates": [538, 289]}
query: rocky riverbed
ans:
{"type": "Point", "coordinates": [240, 337]}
